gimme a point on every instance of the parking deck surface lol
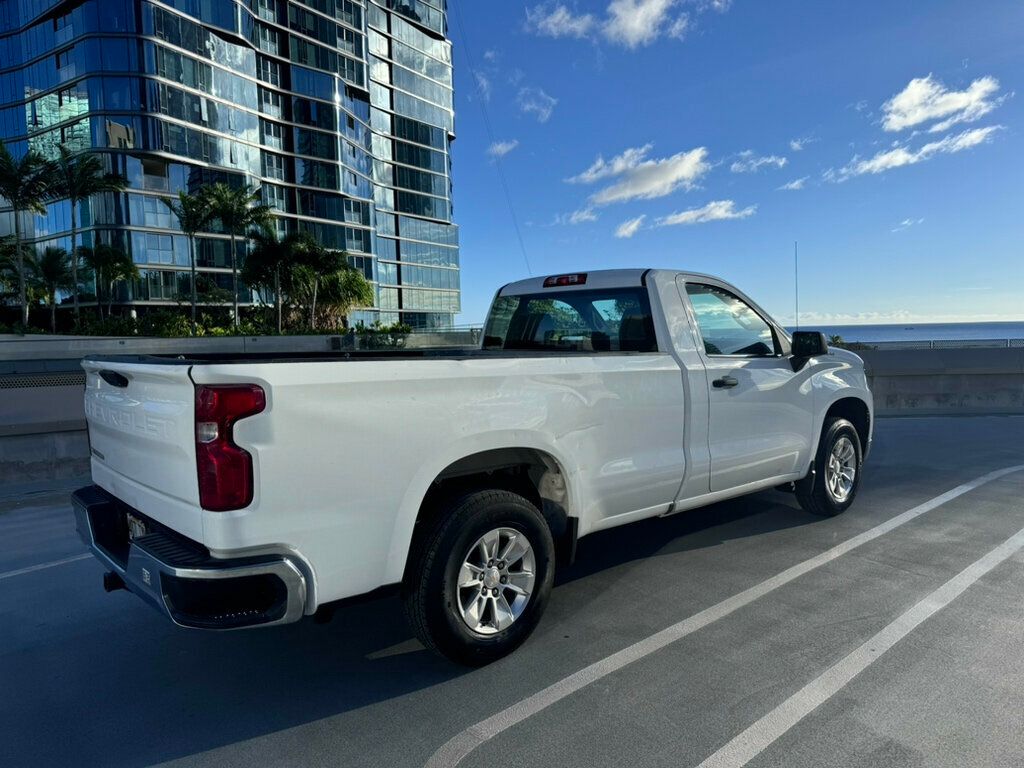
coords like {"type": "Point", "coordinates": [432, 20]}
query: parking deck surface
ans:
{"type": "Point", "coordinates": [905, 650]}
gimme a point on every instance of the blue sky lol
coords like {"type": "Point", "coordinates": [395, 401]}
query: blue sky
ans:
{"type": "Point", "coordinates": [663, 133]}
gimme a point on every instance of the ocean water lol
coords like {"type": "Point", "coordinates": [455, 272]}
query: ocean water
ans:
{"type": "Point", "coordinates": [922, 331]}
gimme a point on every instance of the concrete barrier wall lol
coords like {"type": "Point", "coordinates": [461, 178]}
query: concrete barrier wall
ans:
{"type": "Point", "coordinates": [26, 459]}
{"type": "Point", "coordinates": [24, 348]}
{"type": "Point", "coordinates": [946, 381]}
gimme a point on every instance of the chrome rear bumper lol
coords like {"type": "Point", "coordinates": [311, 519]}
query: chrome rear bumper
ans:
{"type": "Point", "coordinates": [180, 579]}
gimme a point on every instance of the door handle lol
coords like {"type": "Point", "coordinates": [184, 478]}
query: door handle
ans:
{"type": "Point", "coordinates": [726, 382]}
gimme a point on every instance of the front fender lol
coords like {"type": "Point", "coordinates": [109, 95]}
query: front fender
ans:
{"type": "Point", "coordinates": [841, 375]}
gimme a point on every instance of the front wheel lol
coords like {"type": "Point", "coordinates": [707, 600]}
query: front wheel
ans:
{"type": "Point", "coordinates": [479, 579]}
{"type": "Point", "coordinates": [831, 488]}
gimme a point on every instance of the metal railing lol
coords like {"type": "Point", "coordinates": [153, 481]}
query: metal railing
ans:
{"type": "Point", "coordinates": [937, 344]}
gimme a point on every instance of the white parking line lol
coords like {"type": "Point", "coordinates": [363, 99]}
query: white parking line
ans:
{"type": "Point", "coordinates": [42, 566]}
{"type": "Point", "coordinates": [755, 739]}
{"type": "Point", "coordinates": [452, 752]}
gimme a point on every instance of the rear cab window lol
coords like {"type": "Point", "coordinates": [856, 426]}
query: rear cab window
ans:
{"type": "Point", "coordinates": [608, 320]}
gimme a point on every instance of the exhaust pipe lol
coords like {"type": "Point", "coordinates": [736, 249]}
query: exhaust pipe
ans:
{"type": "Point", "coordinates": [112, 582]}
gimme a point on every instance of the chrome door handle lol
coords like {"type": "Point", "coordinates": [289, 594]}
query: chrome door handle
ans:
{"type": "Point", "coordinates": [726, 382]}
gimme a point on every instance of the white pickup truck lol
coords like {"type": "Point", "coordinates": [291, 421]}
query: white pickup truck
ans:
{"type": "Point", "coordinates": [249, 490]}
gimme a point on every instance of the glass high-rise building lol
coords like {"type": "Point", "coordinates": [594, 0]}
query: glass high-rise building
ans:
{"type": "Point", "coordinates": [340, 110]}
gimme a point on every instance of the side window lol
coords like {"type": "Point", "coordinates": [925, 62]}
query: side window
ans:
{"type": "Point", "coordinates": [729, 326]}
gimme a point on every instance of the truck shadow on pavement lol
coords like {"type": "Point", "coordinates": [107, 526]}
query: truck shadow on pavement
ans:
{"type": "Point", "coordinates": [694, 529]}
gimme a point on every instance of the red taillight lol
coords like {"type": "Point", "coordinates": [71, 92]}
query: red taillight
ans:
{"type": "Point", "coordinates": [559, 280]}
{"type": "Point", "coordinates": [225, 470]}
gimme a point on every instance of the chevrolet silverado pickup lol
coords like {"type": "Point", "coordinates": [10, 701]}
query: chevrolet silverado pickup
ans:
{"type": "Point", "coordinates": [251, 490]}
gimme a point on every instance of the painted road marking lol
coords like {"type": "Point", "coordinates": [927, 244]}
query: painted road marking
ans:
{"type": "Point", "coordinates": [755, 739]}
{"type": "Point", "coordinates": [452, 752]}
{"type": "Point", "coordinates": [42, 566]}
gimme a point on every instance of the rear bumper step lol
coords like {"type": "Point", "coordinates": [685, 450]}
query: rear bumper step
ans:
{"type": "Point", "coordinates": [179, 578]}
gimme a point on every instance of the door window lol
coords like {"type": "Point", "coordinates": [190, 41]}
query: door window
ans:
{"type": "Point", "coordinates": [728, 325]}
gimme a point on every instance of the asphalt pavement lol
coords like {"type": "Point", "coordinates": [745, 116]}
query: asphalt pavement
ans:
{"type": "Point", "coordinates": [746, 633]}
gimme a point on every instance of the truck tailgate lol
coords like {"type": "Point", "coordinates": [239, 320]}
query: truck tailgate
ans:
{"type": "Point", "coordinates": [142, 435]}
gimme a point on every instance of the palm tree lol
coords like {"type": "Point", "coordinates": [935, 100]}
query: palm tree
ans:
{"type": "Point", "coordinates": [76, 179]}
{"type": "Point", "coordinates": [24, 183]}
{"type": "Point", "coordinates": [111, 265]}
{"type": "Point", "coordinates": [345, 289]}
{"type": "Point", "coordinates": [121, 269]}
{"type": "Point", "coordinates": [239, 210]}
{"type": "Point", "coordinates": [269, 266]}
{"type": "Point", "coordinates": [193, 212]}
{"type": "Point", "coordinates": [8, 270]}
{"type": "Point", "coordinates": [325, 277]}
{"type": "Point", "coordinates": [52, 272]}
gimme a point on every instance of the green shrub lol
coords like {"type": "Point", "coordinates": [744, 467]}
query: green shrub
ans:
{"type": "Point", "coordinates": [167, 323]}
{"type": "Point", "coordinates": [379, 336]}
{"type": "Point", "coordinates": [108, 326]}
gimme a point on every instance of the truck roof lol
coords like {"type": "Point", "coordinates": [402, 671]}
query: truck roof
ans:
{"type": "Point", "coordinates": [598, 278]}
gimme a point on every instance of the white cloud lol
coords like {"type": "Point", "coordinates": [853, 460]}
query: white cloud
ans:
{"type": "Point", "coordinates": [795, 184]}
{"type": "Point", "coordinates": [716, 210]}
{"type": "Point", "coordinates": [751, 163]}
{"type": "Point", "coordinates": [633, 23]}
{"type": "Point", "coordinates": [797, 145]}
{"type": "Point", "coordinates": [648, 179]}
{"type": "Point", "coordinates": [483, 84]}
{"type": "Point", "coordinates": [490, 55]}
{"type": "Point", "coordinates": [534, 101]}
{"type": "Point", "coordinates": [678, 28]}
{"type": "Point", "coordinates": [558, 21]}
{"type": "Point", "coordinates": [926, 99]}
{"type": "Point", "coordinates": [602, 168]}
{"type": "Point", "coordinates": [906, 224]}
{"type": "Point", "coordinates": [629, 227]}
{"type": "Point", "coordinates": [900, 156]}
{"type": "Point", "coordinates": [502, 148]}
{"type": "Point", "coordinates": [576, 217]}
{"type": "Point", "coordinates": [629, 23]}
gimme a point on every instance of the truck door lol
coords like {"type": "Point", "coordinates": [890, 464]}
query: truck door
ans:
{"type": "Point", "coordinates": [760, 410]}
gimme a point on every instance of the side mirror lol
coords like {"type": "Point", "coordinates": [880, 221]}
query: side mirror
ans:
{"type": "Point", "coordinates": [809, 344]}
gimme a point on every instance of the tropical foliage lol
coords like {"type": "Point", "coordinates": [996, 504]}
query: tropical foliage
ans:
{"type": "Point", "coordinates": [111, 266]}
{"type": "Point", "coordinates": [193, 214]}
{"type": "Point", "coordinates": [77, 178]}
{"type": "Point", "coordinates": [52, 271]}
{"type": "Point", "coordinates": [238, 209]}
{"type": "Point", "coordinates": [24, 183]}
{"type": "Point", "coordinates": [302, 285]}
{"type": "Point", "coordinates": [314, 287]}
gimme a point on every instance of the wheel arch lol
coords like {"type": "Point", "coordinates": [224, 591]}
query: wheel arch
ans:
{"type": "Point", "coordinates": [529, 468]}
{"type": "Point", "coordinates": [855, 410]}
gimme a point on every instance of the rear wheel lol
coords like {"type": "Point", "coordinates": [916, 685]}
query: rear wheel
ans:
{"type": "Point", "coordinates": [831, 488]}
{"type": "Point", "coordinates": [479, 580]}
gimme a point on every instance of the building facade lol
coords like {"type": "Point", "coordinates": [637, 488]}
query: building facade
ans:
{"type": "Point", "coordinates": [340, 110]}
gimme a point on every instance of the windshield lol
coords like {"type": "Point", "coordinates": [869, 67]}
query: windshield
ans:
{"type": "Point", "coordinates": [614, 320]}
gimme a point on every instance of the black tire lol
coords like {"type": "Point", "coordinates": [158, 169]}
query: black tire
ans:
{"type": "Point", "coordinates": [431, 595]}
{"type": "Point", "coordinates": [812, 492]}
